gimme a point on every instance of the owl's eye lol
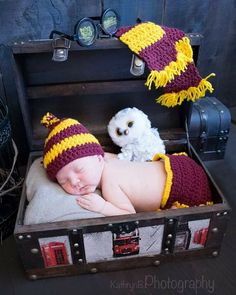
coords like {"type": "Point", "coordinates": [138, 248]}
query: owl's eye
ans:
{"type": "Point", "coordinates": [118, 132]}
{"type": "Point", "coordinates": [130, 124]}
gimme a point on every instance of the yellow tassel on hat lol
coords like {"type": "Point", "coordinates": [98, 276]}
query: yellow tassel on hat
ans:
{"type": "Point", "coordinates": [49, 119]}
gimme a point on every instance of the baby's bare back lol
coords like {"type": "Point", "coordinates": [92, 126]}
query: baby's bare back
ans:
{"type": "Point", "coordinates": [142, 182]}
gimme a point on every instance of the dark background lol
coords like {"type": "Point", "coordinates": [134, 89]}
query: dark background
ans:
{"type": "Point", "coordinates": [215, 20]}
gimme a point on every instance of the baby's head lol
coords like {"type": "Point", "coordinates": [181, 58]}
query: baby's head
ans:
{"type": "Point", "coordinates": [68, 145]}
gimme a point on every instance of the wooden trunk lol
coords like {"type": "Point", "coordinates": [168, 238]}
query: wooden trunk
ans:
{"type": "Point", "coordinates": [92, 85]}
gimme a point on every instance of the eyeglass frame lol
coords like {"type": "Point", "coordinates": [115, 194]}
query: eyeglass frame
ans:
{"type": "Point", "coordinates": [95, 27]}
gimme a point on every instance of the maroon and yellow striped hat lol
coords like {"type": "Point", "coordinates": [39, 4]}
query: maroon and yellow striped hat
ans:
{"type": "Point", "coordinates": [67, 141]}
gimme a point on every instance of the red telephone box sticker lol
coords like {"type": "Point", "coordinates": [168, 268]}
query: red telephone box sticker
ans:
{"type": "Point", "coordinates": [191, 235]}
{"type": "Point", "coordinates": [200, 236]}
{"type": "Point", "coordinates": [55, 251]}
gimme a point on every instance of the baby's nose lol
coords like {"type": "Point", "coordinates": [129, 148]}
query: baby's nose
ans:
{"type": "Point", "coordinates": [75, 182]}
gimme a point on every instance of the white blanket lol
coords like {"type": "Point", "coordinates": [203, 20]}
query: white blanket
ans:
{"type": "Point", "coordinates": [48, 202]}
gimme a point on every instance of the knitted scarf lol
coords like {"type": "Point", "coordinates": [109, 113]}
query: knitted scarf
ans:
{"type": "Point", "coordinates": [168, 55]}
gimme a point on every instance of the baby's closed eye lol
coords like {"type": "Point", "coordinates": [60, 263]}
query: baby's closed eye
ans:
{"type": "Point", "coordinates": [62, 182]}
{"type": "Point", "coordinates": [79, 170]}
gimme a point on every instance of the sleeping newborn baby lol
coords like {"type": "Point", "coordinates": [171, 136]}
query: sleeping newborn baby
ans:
{"type": "Point", "coordinates": [74, 158]}
{"type": "Point", "coordinates": [48, 202]}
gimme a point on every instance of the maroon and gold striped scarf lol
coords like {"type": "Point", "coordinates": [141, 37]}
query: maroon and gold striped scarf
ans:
{"type": "Point", "coordinates": [168, 55]}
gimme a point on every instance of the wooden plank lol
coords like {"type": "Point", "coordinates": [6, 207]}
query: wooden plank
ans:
{"type": "Point", "coordinates": [174, 143]}
{"type": "Point", "coordinates": [39, 69]}
{"type": "Point", "coordinates": [39, 46]}
{"type": "Point", "coordinates": [93, 88]}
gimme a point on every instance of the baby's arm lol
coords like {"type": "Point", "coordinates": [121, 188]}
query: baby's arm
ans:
{"type": "Point", "coordinates": [117, 204]}
{"type": "Point", "coordinates": [111, 210]}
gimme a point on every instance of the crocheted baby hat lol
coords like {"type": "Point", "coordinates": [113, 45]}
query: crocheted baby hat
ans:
{"type": "Point", "coordinates": [67, 141]}
{"type": "Point", "coordinates": [168, 55]}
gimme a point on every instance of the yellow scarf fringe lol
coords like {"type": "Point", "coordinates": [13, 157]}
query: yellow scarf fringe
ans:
{"type": "Point", "coordinates": [191, 94]}
{"type": "Point", "coordinates": [183, 57]}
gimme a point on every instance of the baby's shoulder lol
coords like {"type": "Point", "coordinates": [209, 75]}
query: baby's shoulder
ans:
{"type": "Point", "coordinates": [113, 170]}
{"type": "Point", "coordinates": [119, 166]}
{"type": "Point", "coordinates": [111, 167]}
{"type": "Point", "coordinates": [110, 177]}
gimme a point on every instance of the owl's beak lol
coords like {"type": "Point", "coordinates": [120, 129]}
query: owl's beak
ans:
{"type": "Point", "coordinates": [126, 132]}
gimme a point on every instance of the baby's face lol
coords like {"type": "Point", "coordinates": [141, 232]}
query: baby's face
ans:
{"type": "Point", "coordinates": [81, 176]}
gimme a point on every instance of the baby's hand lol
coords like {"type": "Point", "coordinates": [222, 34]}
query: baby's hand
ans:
{"type": "Point", "coordinates": [92, 202]}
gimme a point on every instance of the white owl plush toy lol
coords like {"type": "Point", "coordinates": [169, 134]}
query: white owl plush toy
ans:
{"type": "Point", "coordinates": [131, 129]}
